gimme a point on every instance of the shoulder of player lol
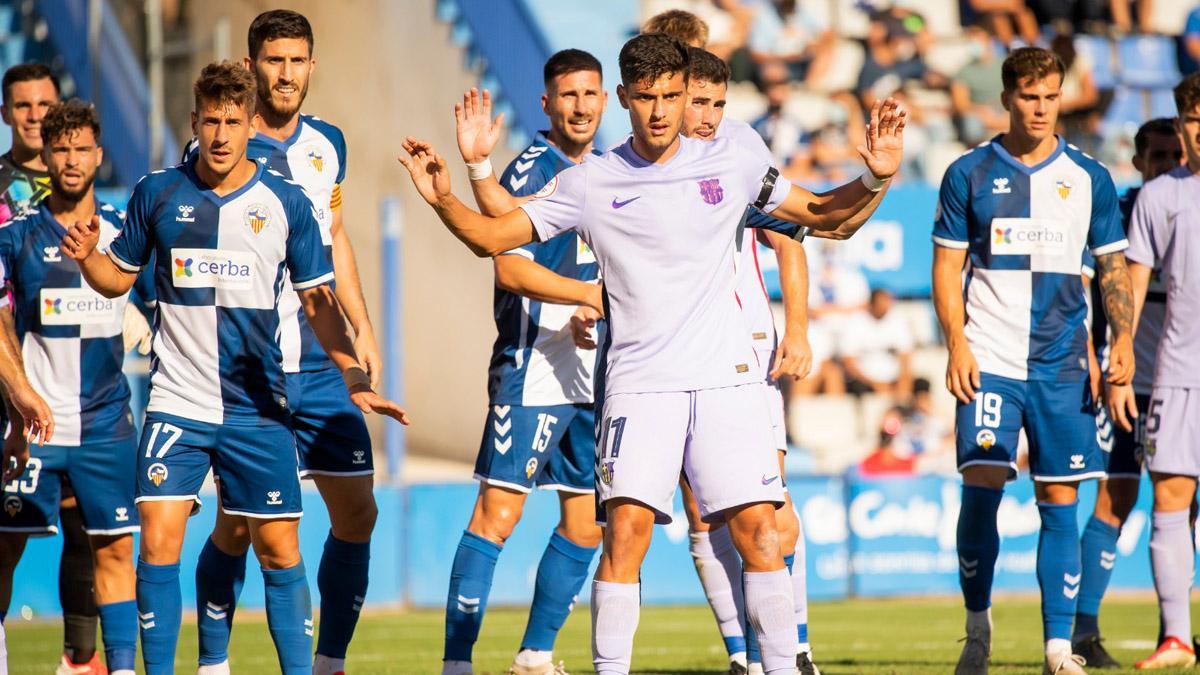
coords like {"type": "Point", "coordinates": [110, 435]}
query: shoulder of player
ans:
{"type": "Point", "coordinates": [289, 192]}
{"type": "Point", "coordinates": [110, 213]}
{"type": "Point", "coordinates": [965, 163]}
{"type": "Point", "coordinates": [1094, 167]}
{"type": "Point", "coordinates": [158, 186]}
{"type": "Point", "coordinates": [327, 129]}
{"type": "Point", "coordinates": [1163, 183]}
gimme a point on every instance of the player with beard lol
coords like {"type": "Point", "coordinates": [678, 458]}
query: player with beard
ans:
{"type": "Point", "coordinates": [72, 343]}
{"type": "Point", "coordinates": [331, 436]}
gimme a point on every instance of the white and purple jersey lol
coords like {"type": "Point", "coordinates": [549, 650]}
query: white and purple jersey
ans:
{"type": "Point", "coordinates": [70, 335]}
{"type": "Point", "coordinates": [1164, 234]}
{"type": "Point", "coordinates": [663, 235]}
{"type": "Point", "coordinates": [220, 264]}
{"type": "Point", "coordinates": [1025, 229]}
{"type": "Point", "coordinates": [534, 359]}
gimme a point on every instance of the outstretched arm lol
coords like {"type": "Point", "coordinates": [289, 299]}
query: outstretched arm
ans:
{"type": "Point", "coordinates": [520, 275]}
{"type": "Point", "coordinates": [98, 270]}
{"type": "Point", "coordinates": [477, 135]}
{"type": "Point", "coordinates": [838, 213]}
{"type": "Point", "coordinates": [485, 236]}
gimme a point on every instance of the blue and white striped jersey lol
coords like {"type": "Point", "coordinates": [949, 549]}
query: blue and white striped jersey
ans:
{"type": "Point", "coordinates": [534, 359]}
{"type": "Point", "coordinates": [70, 335]}
{"type": "Point", "coordinates": [1025, 229]}
{"type": "Point", "coordinates": [220, 266]}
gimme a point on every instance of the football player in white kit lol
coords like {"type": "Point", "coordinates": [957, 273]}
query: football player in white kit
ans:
{"type": "Point", "coordinates": [679, 391]}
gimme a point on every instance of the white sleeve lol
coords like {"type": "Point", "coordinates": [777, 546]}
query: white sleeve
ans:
{"type": "Point", "coordinates": [558, 206]}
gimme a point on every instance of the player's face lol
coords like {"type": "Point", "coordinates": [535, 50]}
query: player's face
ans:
{"type": "Point", "coordinates": [1163, 152]}
{"type": "Point", "coordinates": [27, 104]}
{"type": "Point", "coordinates": [705, 109]}
{"type": "Point", "coordinates": [655, 109]}
{"type": "Point", "coordinates": [223, 130]}
{"type": "Point", "coordinates": [72, 160]}
{"type": "Point", "coordinates": [574, 103]}
{"type": "Point", "coordinates": [1189, 130]}
{"type": "Point", "coordinates": [283, 67]}
{"type": "Point", "coordinates": [1033, 106]}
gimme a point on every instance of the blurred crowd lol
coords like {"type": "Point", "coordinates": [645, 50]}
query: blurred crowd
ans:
{"type": "Point", "coordinates": [804, 74]}
{"type": "Point", "coordinates": [804, 71]}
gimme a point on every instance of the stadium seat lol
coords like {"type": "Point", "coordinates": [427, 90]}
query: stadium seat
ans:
{"type": "Point", "coordinates": [1128, 108]}
{"type": "Point", "coordinates": [948, 56]}
{"type": "Point", "coordinates": [846, 64]}
{"type": "Point", "coordinates": [1162, 102]}
{"type": "Point", "coordinates": [828, 425]}
{"type": "Point", "coordinates": [1148, 61]}
{"type": "Point", "coordinates": [1099, 50]}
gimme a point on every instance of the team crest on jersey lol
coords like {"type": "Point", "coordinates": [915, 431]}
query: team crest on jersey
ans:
{"type": "Point", "coordinates": [257, 217]}
{"type": "Point", "coordinates": [606, 471]}
{"type": "Point", "coordinates": [157, 473]}
{"type": "Point", "coordinates": [1063, 186]}
{"type": "Point", "coordinates": [985, 439]}
{"type": "Point", "coordinates": [13, 505]}
{"type": "Point", "coordinates": [316, 159]}
{"type": "Point", "coordinates": [711, 191]}
{"type": "Point", "coordinates": [530, 467]}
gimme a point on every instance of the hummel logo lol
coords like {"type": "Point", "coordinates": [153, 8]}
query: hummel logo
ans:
{"type": "Point", "coordinates": [273, 497]}
{"type": "Point", "coordinates": [1000, 186]}
{"type": "Point", "coordinates": [968, 568]}
{"type": "Point", "coordinates": [358, 603]}
{"type": "Point", "coordinates": [1108, 559]}
{"type": "Point", "coordinates": [122, 514]}
{"type": "Point", "coordinates": [616, 204]}
{"type": "Point", "coordinates": [1071, 589]}
{"type": "Point", "coordinates": [215, 611]}
{"type": "Point", "coordinates": [51, 254]}
{"type": "Point", "coordinates": [1076, 461]}
{"type": "Point", "coordinates": [308, 627]}
{"type": "Point", "coordinates": [146, 620]}
{"type": "Point", "coordinates": [502, 446]}
{"type": "Point", "coordinates": [468, 605]}
{"type": "Point", "coordinates": [360, 457]}
{"type": "Point", "coordinates": [185, 214]}
{"type": "Point", "coordinates": [768, 481]}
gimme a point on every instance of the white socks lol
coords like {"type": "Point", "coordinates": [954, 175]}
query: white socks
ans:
{"type": "Point", "coordinates": [772, 614]}
{"type": "Point", "coordinates": [615, 611]}
{"type": "Point", "coordinates": [720, 571]}
{"type": "Point", "coordinates": [530, 658]}
{"type": "Point", "coordinates": [327, 665]}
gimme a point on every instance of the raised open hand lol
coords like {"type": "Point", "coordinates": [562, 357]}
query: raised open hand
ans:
{"type": "Point", "coordinates": [427, 169]}
{"type": "Point", "coordinates": [884, 146]}
{"type": "Point", "coordinates": [477, 131]}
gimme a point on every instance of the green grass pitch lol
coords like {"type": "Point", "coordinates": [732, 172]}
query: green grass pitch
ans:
{"type": "Point", "coordinates": [867, 637]}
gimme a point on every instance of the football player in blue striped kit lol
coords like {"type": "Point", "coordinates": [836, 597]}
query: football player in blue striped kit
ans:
{"type": "Point", "coordinates": [221, 231]}
{"type": "Point", "coordinates": [1016, 215]}
{"type": "Point", "coordinates": [72, 345]}
{"type": "Point", "coordinates": [541, 424]}
{"type": "Point", "coordinates": [331, 435]}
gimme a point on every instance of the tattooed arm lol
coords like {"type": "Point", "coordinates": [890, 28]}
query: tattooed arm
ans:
{"type": "Point", "coordinates": [1117, 290]}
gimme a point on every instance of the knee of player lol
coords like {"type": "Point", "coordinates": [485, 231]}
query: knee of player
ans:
{"type": "Point", "coordinates": [278, 559]}
{"type": "Point", "coordinates": [112, 552]}
{"type": "Point", "coordinates": [358, 523]}
{"type": "Point", "coordinates": [587, 534]}
{"type": "Point", "coordinates": [985, 476]}
{"type": "Point", "coordinates": [495, 522]}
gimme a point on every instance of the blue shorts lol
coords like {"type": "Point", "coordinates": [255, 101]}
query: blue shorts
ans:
{"type": "Point", "coordinates": [1059, 419]}
{"type": "Point", "coordinates": [552, 446]}
{"type": "Point", "coordinates": [256, 462]}
{"type": "Point", "coordinates": [1123, 450]}
{"type": "Point", "coordinates": [331, 434]}
{"type": "Point", "coordinates": [101, 475]}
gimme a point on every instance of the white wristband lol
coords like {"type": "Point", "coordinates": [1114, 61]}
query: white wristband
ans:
{"type": "Point", "coordinates": [479, 170]}
{"type": "Point", "coordinates": [869, 181]}
{"type": "Point", "coordinates": [355, 376]}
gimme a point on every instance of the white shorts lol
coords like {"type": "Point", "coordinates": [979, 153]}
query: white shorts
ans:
{"type": "Point", "coordinates": [1171, 423]}
{"type": "Point", "coordinates": [775, 409]}
{"type": "Point", "coordinates": [719, 438]}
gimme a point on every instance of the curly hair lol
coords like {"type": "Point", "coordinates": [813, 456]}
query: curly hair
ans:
{"type": "Point", "coordinates": [649, 56]}
{"type": "Point", "coordinates": [225, 83]}
{"type": "Point", "coordinates": [64, 118]}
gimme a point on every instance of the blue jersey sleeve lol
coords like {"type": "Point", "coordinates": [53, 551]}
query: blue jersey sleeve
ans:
{"type": "Point", "coordinates": [144, 295]}
{"type": "Point", "coordinates": [339, 144]}
{"type": "Point", "coordinates": [1106, 234]}
{"type": "Point", "coordinates": [758, 219]}
{"type": "Point", "coordinates": [133, 248]}
{"type": "Point", "coordinates": [11, 236]}
{"type": "Point", "coordinates": [522, 179]}
{"type": "Point", "coordinates": [307, 260]}
{"type": "Point", "coordinates": [950, 221]}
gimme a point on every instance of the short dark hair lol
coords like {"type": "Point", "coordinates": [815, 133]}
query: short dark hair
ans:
{"type": "Point", "coordinates": [63, 118]}
{"type": "Point", "coordinates": [681, 24]}
{"type": "Point", "coordinates": [276, 24]}
{"type": "Point", "coordinates": [225, 82]}
{"type": "Point", "coordinates": [569, 61]}
{"type": "Point", "coordinates": [707, 66]}
{"type": "Point", "coordinates": [649, 56]}
{"type": "Point", "coordinates": [1162, 126]}
{"type": "Point", "coordinates": [1187, 94]}
{"type": "Point", "coordinates": [27, 72]}
{"type": "Point", "coordinates": [1028, 62]}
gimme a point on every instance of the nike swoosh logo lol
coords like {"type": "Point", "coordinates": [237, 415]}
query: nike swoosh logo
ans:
{"type": "Point", "coordinates": [768, 481]}
{"type": "Point", "coordinates": [616, 204]}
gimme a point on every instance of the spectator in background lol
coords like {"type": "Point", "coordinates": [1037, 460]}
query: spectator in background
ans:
{"type": "Point", "coordinates": [893, 56]}
{"type": "Point", "coordinates": [837, 291]}
{"type": "Point", "coordinates": [784, 135]}
{"type": "Point", "coordinates": [1005, 19]}
{"type": "Point", "coordinates": [975, 91]}
{"type": "Point", "coordinates": [787, 32]}
{"type": "Point", "coordinates": [1079, 106]}
{"type": "Point", "coordinates": [923, 431]}
{"type": "Point", "coordinates": [1189, 44]}
{"type": "Point", "coordinates": [889, 458]}
{"type": "Point", "coordinates": [877, 350]}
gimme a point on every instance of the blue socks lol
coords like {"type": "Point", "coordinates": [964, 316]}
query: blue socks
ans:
{"type": "Point", "coordinates": [560, 577]}
{"type": "Point", "coordinates": [289, 618]}
{"type": "Point", "coordinates": [342, 581]}
{"type": "Point", "coordinates": [1058, 568]}
{"type": "Point", "coordinates": [160, 610]}
{"type": "Point", "coordinates": [219, 578]}
{"type": "Point", "coordinates": [753, 652]}
{"type": "Point", "coordinates": [1098, 549]}
{"type": "Point", "coordinates": [978, 545]}
{"type": "Point", "coordinates": [119, 629]}
{"type": "Point", "coordinates": [470, 583]}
